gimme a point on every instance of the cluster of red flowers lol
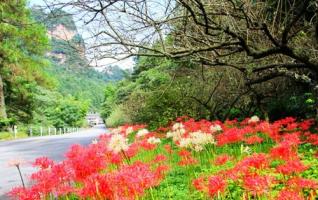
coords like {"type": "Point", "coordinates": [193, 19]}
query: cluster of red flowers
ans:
{"type": "Point", "coordinates": [129, 182]}
{"type": "Point", "coordinates": [252, 132]}
{"type": "Point", "coordinates": [110, 168]}
{"type": "Point", "coordinates": [96, 172]}
{"type": "Point", "coordinates": [257, 174]}
{"type": "Point", "coordinates": [186, 158]}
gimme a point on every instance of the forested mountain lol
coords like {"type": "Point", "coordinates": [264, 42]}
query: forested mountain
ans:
{"type": "Point", "coordinates": [68, 63]}
{"type": "Point", "coordinates": [45, 79]}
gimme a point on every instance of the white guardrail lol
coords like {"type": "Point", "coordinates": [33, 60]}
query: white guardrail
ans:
{"type": "Point", "coordinates": [46, 131]}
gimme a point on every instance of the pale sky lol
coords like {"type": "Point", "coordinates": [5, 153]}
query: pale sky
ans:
{"type": "Point", "coordinates": [125, 64]}
{"type": "Point", "coordinates": [36, 2]}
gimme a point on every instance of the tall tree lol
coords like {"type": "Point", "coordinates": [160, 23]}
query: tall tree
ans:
{"type": "Point", "coordinates": [261, 39]}
{"type": "Point", "coordinates": [22, 45]}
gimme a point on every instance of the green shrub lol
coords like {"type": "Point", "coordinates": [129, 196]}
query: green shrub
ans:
{"type": "Point", "coordinates": [4, 123]}
{"type": "Point", "coordinates": [117, 117]}
{"type": "Point", "coordinates": [10, 136]}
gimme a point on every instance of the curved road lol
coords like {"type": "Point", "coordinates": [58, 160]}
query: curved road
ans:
{"type": "Point", "coordinates": [28, 149]}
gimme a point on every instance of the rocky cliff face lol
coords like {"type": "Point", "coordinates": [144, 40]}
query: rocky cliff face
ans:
{"type": "Point", "coordinates": [67, 44]}
{"type": "Point", "coordinates": [61, 32]}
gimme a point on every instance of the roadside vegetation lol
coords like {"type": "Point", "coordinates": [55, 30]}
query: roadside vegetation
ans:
{"type": "Point", "coordinates": [189, 159]}
{"type": "Point", "coordinates": [10, 135]}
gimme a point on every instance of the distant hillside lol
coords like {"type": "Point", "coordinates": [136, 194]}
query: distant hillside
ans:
{"type": "Point", "coordinates": [68, 63]}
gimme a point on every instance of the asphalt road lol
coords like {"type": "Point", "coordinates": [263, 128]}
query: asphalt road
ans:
{"type": "Point", "coordinates": [28, 149]}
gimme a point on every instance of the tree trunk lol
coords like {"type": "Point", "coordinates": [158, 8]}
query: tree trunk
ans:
{"type": "Point", "coordinates": [3, 113]}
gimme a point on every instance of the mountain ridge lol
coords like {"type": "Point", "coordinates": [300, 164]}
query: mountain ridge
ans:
{"type": "Point", "coordinates": [68, 62]}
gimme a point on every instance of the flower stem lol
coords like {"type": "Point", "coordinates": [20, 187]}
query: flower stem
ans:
{"type": "Point", "coordinates": [151, 194]}
{"type": "Point", "coordinates": [18, 167]}
{"type": "Point", "coordinates": [126, 157]}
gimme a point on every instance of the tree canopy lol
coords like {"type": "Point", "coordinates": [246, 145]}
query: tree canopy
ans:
{"type": "Point", "coordinates": [22, 46]}
{"type": "Point", "coordinates": [44, 80]}
{"type": "Point", "coordinates": [249, 53]}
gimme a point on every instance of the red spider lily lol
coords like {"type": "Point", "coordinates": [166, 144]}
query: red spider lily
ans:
{"type": "Point", "coordinates": [160, 171]}
{"type": "Point", "coordinates": [131, 181]}
{"type": "Point", "coordinates": [185, 161]}
{"type": "Point", "coordinates": [291, 126]}
{"type": "Point", "coordinates": [284, 152]}
{"type": "Point", "coordinates": [56, 178]}
{"type": "Point", "coordinates": [216, 185]}
{"type": "Point", "coordinates": [306, 124]}
{"type": "Point", "coordinates": [230, 174]}
{"type": "Point", "coordinates": [263, 127]}
{"type": "Point", "coordinates": [160, 158]}
{"type": "Point", "coordinates": [199, 184]}
{"type": "Point", "coordinates": [202, 125]}
{"type": "Point", "coordinates": [114, 158]}
{"type": "Point", "coordinates": [168, 148]}
{"type": "Point", "coordinates": [255, 161]}
{"type": "Point", "coordinates": [43, 163]}
{"type": "Point", "coordinates": [86, 161]}
{"type": "Point", "coordinates": [292, 139]}
{"type": "Point", "coordinates": [157, 134]}
{"type": "Point", "coordinates": [274, 133]}
{"type": "Point", "coordinates": [132, 150]}
{"type": "Point", "coordinates": [301, 183]}
{"type": "Point", "coordinates": [128, 182]}
{"type": "Point", "coordinates": [97, 185]}
{"type": "Point", "coordinates": [221, 159]}
{"type": "Point", "coordinates": [313, 139]}
{"type": "Point", "coordinates": [231, 123]}
{"type": "Point", "coordinates": [146, 145]}
{"type": "Point", "coordinates": [190, 125]}
{"type": "Point", "coordinates": [257, 184]}
{"type": "Point", "coordinates": [162, 130]}
{"type": "Point", "coordinates": [25, 194]}
{"type": "Point", "coordinates": [285, 121]}
{"type": "Point", "coordinates": [63, 190]}
{"type": "Point", "coordinates": [184, 153]}
{"type": "Point", "coordinates": [186, 158]}
{"type": "Point", "coordinates": [104, 138]}
{"type": "Point", "coordinates": [291, 167]}
{"type": "Point", "coordinates": [246, 166]}
{"type": "Point", "coordinates": [230, 136]}
{"type": "Point", "coordinates": [253, 140]}
{"type": "Point", "coordinates": [289, 195]}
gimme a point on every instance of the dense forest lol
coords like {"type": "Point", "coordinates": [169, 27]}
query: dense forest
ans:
{"type": "Point", "coordinates": [258, 59]}
{"type": "Point", "coordinates": [224, 71]}
{"type": "Point", "coordinates": [45, 78]}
